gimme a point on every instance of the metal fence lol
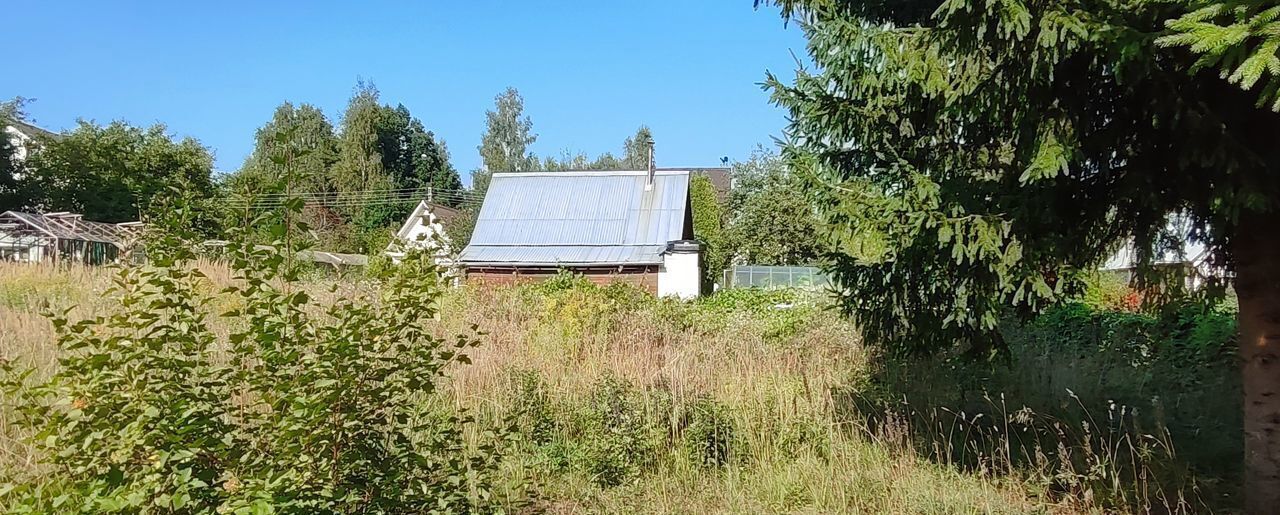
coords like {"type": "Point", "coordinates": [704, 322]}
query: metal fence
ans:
{"type": "Point", "coordinates": [752, 276]}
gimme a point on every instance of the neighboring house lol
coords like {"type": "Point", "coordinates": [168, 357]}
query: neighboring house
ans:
{"type": "Point", "coordinates": [63, 238]}
{"type": "Point", "coordinates": [618, 226]}
{"type": "Point", "coordinates": [425, 230]}
{"type": "Point", "coordinates": [1192, 259]}
{"type": "Point", "coordinates": [24, 135]}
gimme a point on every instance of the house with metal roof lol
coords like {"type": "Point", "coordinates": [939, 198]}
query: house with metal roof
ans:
{"type": "Point", "coordinates": [64, 237]}
{"type": "Point", "coordinates": [615, 226]}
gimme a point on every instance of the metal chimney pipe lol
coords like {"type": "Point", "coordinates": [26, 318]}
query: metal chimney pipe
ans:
{"type": "Point", "coordinates": [648, 186]}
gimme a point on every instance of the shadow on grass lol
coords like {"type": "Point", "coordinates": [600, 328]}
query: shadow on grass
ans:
{"type": "Point", "coordinates": [1095, 408]}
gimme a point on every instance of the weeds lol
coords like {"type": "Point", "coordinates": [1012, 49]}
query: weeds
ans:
{"type": "Point", "coordinates": [765, 402]}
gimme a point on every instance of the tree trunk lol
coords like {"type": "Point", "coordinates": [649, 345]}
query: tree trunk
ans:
{"type": "Point", "coordinates": [1257, 284]}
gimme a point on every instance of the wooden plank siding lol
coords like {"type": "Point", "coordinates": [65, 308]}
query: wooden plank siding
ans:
{"type": "Point", "coordinates": [643, 277]}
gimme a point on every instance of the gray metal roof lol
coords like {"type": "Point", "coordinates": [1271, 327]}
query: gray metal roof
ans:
{"type": "Point", "coordinates": [579, 218]}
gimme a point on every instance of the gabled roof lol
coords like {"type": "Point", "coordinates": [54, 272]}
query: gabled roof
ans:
{"type": "Point", "coordinates": [30, 131]}
{"type": "Point", "coordinates": [580, 218]}
{"type": "Point", "coordinates": [442, 214]}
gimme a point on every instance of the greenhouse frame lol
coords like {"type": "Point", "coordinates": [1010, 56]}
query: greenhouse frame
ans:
{"type": "Point", "coordinates": [64, 238]}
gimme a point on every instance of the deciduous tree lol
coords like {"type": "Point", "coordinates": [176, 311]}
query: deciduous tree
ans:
{"type": "Point", "coordinates": [360, 163]}
{"type": "Point", "coordinates": [411, 155]}
{"type": "Point", "coordinates": [770, 220]}
{"type": "Point", "coordinates": [111, 173]}
{"type": "Point", "coordinates": [11, 196]}
{"type": "Point", "coordinates": [317, 143]}
{"type": "Point", "coordinates": [636, 149]}
{"type": "Point", "coordinates": [504, 147]}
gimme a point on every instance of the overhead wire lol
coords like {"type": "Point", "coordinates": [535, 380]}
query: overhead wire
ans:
{"type": "Point", "coordinates": [353, 199]}
{"type": "Point", "coordinates": [366, 192]}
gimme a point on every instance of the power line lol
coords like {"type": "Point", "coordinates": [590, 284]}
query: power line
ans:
{"type": "Point", "coordinates": [347, 197]}
{"type": "Point", "coordinates": [367, 198]}
{"type": "Point", "coordinates": [351, 199]}
{"type": "Point", "coordinates": [363, 193]}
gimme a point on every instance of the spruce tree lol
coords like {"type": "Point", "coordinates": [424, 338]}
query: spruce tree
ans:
{"type": "Point", "coordinates": [1001, 150]}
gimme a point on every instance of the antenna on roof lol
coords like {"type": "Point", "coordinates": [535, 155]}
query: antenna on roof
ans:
{"type": "Point", "coordinates": [648, 186]}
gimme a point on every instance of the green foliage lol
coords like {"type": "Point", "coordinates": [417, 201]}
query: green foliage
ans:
{"type": "Point", "coordinates": [1124, 404]}
{"type": "Point", "coordinates": [411, 155]}
{"type": "Point", "coordinates": [707, 228]}
{"type": "Point", "coordinates": [504, 147]}
{"type": "Point", "coordinates": [360, 163]}
{"type": "Point", "coordinates": [635, 157]}
{"type": "Point", "coordinates": [770, 221]}
{"type": "Point", "coordinates": [534, 414]}
{"type": "Point", "coordinates": [781, 313]}
{"type": "Point", "coordinates": [304, 408]}
{"type": "Point", "coordinates": [709, 438]}
{"type": "Point", "coordinates": [636, 151]}
{"type": "Point", "coordinates": [112, 173]}
{"type": "Point", "coordinates": [460, 228]}
{"type": "Point", "coordinates": [12, 195]}
{"type": "Point", "coordinates": [577, 308]}
{"type": "Point", "coordinates": [311, 132]}
{"type": "Point", "coordinates": [1107, 291]}
{"type": "Point", "coordinates": [619, 443]}
{"type": "Point", "coordinates": [1239, 38]}
{"type": "Point", "coordinates": [1000, 151]}
{"type": "Point", "coordinates": [381, 147]}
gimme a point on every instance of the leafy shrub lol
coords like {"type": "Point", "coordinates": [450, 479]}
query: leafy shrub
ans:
{"type": "Point", "coordinates": [1109, 291]}
{"type": "Point", "coordinates": [619, 443]}
{"type": "Point", "coordinates": [305, 409]}
{"type": "Point", "coordinates": [578, 308]}
{"type": "Point", "coordinates": [710, 436]}
{"type": "Point", "coordinates": [533, 410]}
{"type": "Point", "coordinates": [563, 281]}
{"type": "Point", "coordinates": [782, 313]}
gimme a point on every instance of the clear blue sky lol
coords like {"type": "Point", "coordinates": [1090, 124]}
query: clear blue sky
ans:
{"type": "Point", "coordinates": [590, 71]}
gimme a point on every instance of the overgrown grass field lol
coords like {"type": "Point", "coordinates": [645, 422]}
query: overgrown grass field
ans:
{"type": "Point", "coordinates": [762, 402]}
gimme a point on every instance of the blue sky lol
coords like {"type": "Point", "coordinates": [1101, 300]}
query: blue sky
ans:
{"type": "Point", "coordinates": [590, 72]}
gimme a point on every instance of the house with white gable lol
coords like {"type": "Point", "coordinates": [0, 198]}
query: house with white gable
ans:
{"type": "Point", "coordinates": [424, 230]}
{"type": "Point", "coordinates": [23, 136]}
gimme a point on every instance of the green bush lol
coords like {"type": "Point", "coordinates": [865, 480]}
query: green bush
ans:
{"type": "Point", "coordinates": [782, 313]}
{"type": "Point", "coordinates": [578, 309]}
{"type": "Point", "coordinates": [305, 409]}
{"type": "Point", "coordinates": [618, 439]}
{"type": "Point", "coordinates": [534, 413]}
{"type": "Point", "coordinates": [710, 437]}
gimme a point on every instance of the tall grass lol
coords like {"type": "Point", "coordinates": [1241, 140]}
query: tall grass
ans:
{"type": "Point", "coordinates": [1118, 409]}
{"type": "Point", "coordinates": [745, 402]}
{"type": "Point", "coordinates": [726, 405]}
